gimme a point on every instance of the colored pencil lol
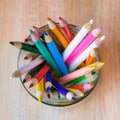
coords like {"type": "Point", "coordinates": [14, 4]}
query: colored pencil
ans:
{"type": "Point", "coordinates": [55, 54]}
{"type": "Point", "coordinates": [32, 72]}
{"type": "Point", "coordinates": [90, 38]}
{"type": "Point", "coordinates": [48, 81]}
{"type": "Point", "coordinates": [97, 65]}
{"type": "Point", "coordinates": [83, 87]}
{"type": "Point", "coordinates": [45, 53]}
{"type": "Point", "coordinates": [83, 79]}
{"type": "Point", "coordinates": [77, 40]}
{"type": "Point", "coordinates": [77, 92]}
{"type": "Point", "coordinates": [39, 75]}
{"type": "Point", "coordinates": [58, 44]}
{"type": "Point", "coordinates": [38, 31]}
{"type": "Point", "coordinates": [65, 26]}
{"type": "Point", "coordinates": [57, 32]}
{"type": "Point", "coordinates": [24, 69]}
{"type": "Point", "coordinates": [84, 55]}
{"type": "Point", "coordinates": [25, 47]}
{"type": "Point", "coordinates": [40, 90]}
{"type": "Point", "coordinates": [69, 95]}
{"type": "Point", "coordinates": [76, 74]}
{"type": "Point", "coordinates": [91, 57]}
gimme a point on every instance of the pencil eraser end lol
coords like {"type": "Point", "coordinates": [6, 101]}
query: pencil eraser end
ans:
{"type": "Point", "coordinates": [91, 21]}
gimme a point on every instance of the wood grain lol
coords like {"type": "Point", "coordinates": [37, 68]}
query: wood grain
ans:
{"type": "Point", "coordinates": [18, 16]}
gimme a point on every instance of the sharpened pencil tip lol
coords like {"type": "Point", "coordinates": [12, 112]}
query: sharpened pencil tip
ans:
{"type": "Point", "coordinates": [45, 34]}
{"type": "Point", "coordinates": [31, 85]}
{"type": "Point", "coordinates": [47, 89]}
{"type": "Point", "coordinates": [24, 81]}
{"type": "Point", "coordinates": [31, 32]}
{"type": "Point", "coordinates": [73, 98]}
{"type": "Point", "coordinates": [12, 43]}
{"type": "Point", "coordinates": [100, 28]}
{"type": "Point", "coordinates": [60, 18]}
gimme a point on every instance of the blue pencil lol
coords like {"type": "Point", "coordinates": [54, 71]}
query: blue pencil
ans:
{"type": "Point", "coordinates": [55, 53]}
{"type": "Point", "coordinates": [69, 95]}
{"type": "Point", "coordinates": [48, 81]}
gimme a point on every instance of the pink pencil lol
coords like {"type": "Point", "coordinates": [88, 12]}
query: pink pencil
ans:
{"type": "Point", "coordinates": [64, 25]}
{"type": "Point", "coordinates": [83, 45]}
{"type": "Point", "coordinates": [76, 74]}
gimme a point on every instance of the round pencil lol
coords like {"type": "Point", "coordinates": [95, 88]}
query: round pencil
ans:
{"type": "Point", "coordinates": [77, 39]}
{"type": "Point", "coordinates": [57, 32]}
{"type": "Point", "coordinates": [90, 38]}
{"type": "Point", "coordinates": [25, 47]}
{"type": "Point", "coordinates": [45, 53]}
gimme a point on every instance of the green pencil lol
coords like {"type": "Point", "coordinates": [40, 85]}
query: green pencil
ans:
{"type": "Point", "coordinates": [25, 47]}
{"type": "Point", "coordinates": [45, 53]}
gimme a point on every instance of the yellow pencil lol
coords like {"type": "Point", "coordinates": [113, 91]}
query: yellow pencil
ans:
{"type": "Point", "coordinates": [58, 33]}
{"type": "Point", "coordinates": [40, 89]}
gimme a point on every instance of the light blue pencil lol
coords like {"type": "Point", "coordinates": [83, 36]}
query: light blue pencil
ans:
{"type": "Point", "coordinates": [55, 53]}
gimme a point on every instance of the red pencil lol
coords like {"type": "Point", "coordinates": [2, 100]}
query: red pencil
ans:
{"type": "Point", "coordinates": [84, 87]}
{"type": "Point", "coordinates": [40, 75]}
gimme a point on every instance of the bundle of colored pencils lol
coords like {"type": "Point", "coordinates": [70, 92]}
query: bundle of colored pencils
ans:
{"type": "Point", "coordinates": [60, 64]}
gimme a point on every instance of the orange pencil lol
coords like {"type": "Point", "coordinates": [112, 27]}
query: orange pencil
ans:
{"type": "Point", "coordinates": [58, 33]}
{"type": "Point", "coordinates": [84, 87]}
{"type": "Point", "coordinates": [91, 57]}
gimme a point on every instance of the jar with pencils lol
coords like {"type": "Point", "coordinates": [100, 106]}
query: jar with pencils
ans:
{"type": "Point", "coordinates": [59, 63]}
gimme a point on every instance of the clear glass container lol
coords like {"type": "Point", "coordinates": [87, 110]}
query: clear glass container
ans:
{"type": "Point", "coordinates": [53, 100]}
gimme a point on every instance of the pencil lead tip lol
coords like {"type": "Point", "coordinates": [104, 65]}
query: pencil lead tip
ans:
{"type": "Point", "coordinates": [60, 18]}
{"type": "Point", "coordinates": [48, 95]}
{"type": "Point", "coordinates": [31, 32]}
{"type": "Point", "coordinates": [26, 40]}
{"type": "Point", "coordinates": [31, 85]}
{"type": "Point", "coordinates": [100, 28]}
{"type": "Point", "coordinates": [12, 43]}
{"type": "Point", "coordinates": [47, 89]}
{"type": "Point", "coordinates": [73, 98]}
{"type": "Point", "coordinates": [45, 33]}
{"type": "Point", "coordinates": [24, 81]}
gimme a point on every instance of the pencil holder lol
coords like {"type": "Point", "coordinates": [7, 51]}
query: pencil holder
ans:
{"type": "Point", "coordinates": [53, 97]}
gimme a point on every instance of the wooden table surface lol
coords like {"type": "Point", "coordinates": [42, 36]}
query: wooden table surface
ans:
{"type": "Point", "coordinates": [18, 16]}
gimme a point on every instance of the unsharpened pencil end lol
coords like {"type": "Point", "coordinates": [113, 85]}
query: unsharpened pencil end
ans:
{"type": "Point", "coordinates": [31, 32]}
{"type": "Point", "coordinates": [12, 43]}
{"type": "Point", "coordinates": [91, 21]}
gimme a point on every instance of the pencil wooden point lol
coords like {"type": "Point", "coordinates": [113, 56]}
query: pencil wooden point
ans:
{"type": "Point", "coordinates": [16, 74]}
{"type": "Point", "coordinates": [31, 85]}
{"type": "Point", "coordinates": [12, 43]}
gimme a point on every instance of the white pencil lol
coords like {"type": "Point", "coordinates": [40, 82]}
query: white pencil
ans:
{"type": "Point", "coordinates": [77, 39]}
{"type": "Point", "coordinates": [84, 55]}
{"type": "Point", "coordinates": [28, 67]}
